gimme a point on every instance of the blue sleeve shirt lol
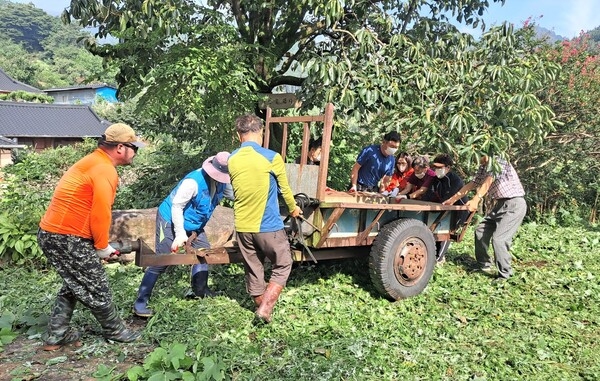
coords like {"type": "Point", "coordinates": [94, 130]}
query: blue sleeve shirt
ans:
{"type": "Point", "coordinates": [374, 165]}
{"type": "Point", "coordinates": [258, 176]}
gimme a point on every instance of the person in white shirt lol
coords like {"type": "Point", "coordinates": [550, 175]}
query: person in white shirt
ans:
{"type": "Point", "coordinates": [185, 211]}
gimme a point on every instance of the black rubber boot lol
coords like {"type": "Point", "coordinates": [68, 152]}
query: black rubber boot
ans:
{"type": "Point", "coordinates": [145, 291]}
{"type": "Point", "coordinates": [59, 332]}
{"type": "Point", "coordinates": [113, 327]}
{"type": "Point", "coordinates": [200, 286]}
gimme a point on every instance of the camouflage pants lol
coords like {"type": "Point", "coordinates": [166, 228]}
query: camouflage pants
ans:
{"type": "Point", "coordinates": [75, 260]}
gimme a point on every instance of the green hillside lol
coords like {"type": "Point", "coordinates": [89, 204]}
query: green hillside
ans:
{"type": "Point", "coordinates": [38, 49]}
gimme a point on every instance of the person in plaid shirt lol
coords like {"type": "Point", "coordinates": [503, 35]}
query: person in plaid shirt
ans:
{"type": "Point", "coordinates": [501, 223]}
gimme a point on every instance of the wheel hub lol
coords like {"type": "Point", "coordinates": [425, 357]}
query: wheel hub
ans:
{"type": "Point", "coordinates": [410, 261]}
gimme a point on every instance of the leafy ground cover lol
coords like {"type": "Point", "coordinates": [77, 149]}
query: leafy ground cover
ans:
{"type": "Point", "coordinates": [330, 324]}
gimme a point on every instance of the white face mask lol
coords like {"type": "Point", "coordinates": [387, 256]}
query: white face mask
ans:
{"type": "Point", "coordinates": [440, 172]}
{"type": "Point", "coordinates": [420, 175]}
{"type": "Point", "coordinates": [402, 168]}
{"type": "Point", "coordinates": [318, 158]}
{"type": "Point", "coordinates": [390, 151]}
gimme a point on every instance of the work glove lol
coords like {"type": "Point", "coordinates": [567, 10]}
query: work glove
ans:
{"type": "Point", "coordinates": [385, 193]}
{"type": "Point", "coordinates": [401, 197]}
{"type": "Point", "coordinates": [179, 241]}
{"type": "Point", "coordinates": [107, 252]}
{"type": "Point", "coordinates": [395, 192]}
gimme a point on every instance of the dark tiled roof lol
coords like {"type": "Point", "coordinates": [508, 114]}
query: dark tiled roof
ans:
{"type": "Point", "coordinates": [80, 87]}
{"type": "Point", "coordinates": [7, 84]}
{"type": "Point", "coordinates": [21, 119]}
{"type": "Point", "coordinates": [8, 143]}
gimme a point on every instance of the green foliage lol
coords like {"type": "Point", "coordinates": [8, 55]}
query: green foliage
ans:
{"type": "Point", "coordinates": [453, 95]}
{"type": "Point", "coordinates": [25, 24]}
{"type": "Point", "coordinates": [18, 240]}
{"type": "Point", "coordinates": [205, 65]}
{"type": "Point", "coordinates": [330, 324]}
{"type": "Point", "coordinates": [174, 364]}
{"type": "Point", "coordinates": [204, 85]}
{"type": "Point", "coordinates": [7, 335]}
{"type": "Point", "coordinates": [35, 48]}
{"type": "Point", "coordinates": [560, 172]}
{"type": "Point", "coordinates": [25, 96]}
{"type": "Point", "coordinates": [28, 187]}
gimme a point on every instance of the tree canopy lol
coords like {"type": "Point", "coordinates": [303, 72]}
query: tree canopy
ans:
{"type": "Point", "coordinates": [384, 64]}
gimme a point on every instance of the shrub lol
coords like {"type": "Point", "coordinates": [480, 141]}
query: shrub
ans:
{"type": "Point", "coordinates": [27, 190]}
{"type": "Point", "coordinates": [29, 184]}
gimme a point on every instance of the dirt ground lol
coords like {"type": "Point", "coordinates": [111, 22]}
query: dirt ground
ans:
{"type": "Point", "coordinates": [23, 359]}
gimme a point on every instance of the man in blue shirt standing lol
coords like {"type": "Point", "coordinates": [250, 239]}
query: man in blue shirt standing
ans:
{"type": "Point", "coordinates": [375, 165]}
{"type": "Point", "coordinates": [184, 211]}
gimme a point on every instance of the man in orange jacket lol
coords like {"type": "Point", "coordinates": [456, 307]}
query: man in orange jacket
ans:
{"type": "Point", "coordinates": [74, 238]}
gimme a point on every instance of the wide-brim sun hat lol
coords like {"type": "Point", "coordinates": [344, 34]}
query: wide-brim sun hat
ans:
{"type": "Point", "coordinates": [216, 167]}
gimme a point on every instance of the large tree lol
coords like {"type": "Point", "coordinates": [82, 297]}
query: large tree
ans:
{"type": "Point", "coordinates": [385, 64]}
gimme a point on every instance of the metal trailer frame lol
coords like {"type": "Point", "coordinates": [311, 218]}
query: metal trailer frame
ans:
{"type": "Point", "coordinates": [344, 225]}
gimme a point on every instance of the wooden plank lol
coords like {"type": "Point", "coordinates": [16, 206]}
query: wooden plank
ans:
{"type": "Point", "coordinates": [408, 205]}
{"type": "Point", "coordinates": [280, 101]}
{"type": "Point", "coordinates": [325, 144]}
{"type": "Point", "coordinates": [284, 140]}
{"type": "Point", "coordinates": [216, 256]}
{"type": "Point", "coordinates": [334, 253]}
{"type": "Point", "coordinates": [345, 242]}
{"type": "Point", "coordinates": [267, 133]}
{"type": "Point", "coordinates": [296, 119]}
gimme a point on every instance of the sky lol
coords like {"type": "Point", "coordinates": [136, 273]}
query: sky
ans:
{"type": "Point", "coordinates": [566, 18]}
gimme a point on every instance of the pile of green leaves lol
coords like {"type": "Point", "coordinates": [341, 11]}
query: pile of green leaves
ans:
{"type": "Point", "coordinates": [330, 323]}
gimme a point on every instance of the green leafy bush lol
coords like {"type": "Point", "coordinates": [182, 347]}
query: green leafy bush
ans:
{"type": "Point", "coordinates": [18, 241]}
{"type": "Point", "coordinates": [24, 96]}
{"type": "Point", "coordinates": [29, 184]}
{"type": "Point", "coordinates": [171, 364]}
{"type": "Point", "coordinates": [26, 193]}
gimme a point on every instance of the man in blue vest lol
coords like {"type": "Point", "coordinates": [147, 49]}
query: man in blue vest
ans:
{"type": "Point", "coordinates": [185, 211]}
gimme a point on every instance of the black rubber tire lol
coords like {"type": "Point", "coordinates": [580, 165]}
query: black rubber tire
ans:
{"type": "Point", "coordinates": [402, 258]}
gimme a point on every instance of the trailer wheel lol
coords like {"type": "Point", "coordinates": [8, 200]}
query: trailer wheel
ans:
{"type": "Point", "coordinates": [402, 258]}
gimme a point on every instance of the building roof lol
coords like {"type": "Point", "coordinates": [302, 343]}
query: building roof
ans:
{"type": "Point", "coordinates": [9, 143]}
{"type": "Point", "coordinates": [80, 87]}
{"type": "Point", "coordinates": [21, 119]}
{"type": "Point", "coordinates": [7, 84]}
